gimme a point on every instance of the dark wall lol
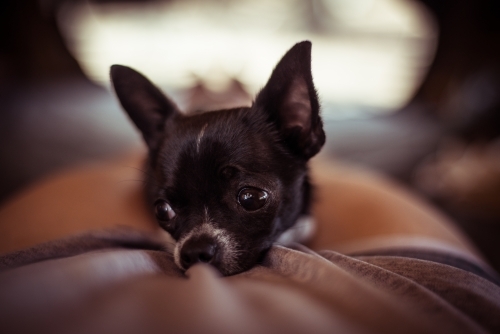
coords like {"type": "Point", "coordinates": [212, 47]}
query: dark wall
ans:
{"type": "Point", "coordinates": [463, 84]}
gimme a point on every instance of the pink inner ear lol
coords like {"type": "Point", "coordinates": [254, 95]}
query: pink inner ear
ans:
{"type": "Point", "coordinates": [296, 107]}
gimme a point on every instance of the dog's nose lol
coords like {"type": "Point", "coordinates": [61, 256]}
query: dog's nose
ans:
{"type": "Point", "coordinates": [195, 251]}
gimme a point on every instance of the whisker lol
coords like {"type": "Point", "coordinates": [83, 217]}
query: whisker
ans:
{"type": "Point", "coordinates": [140, 170]}
{"type": "Point", "coordinates": [122, 181]}
{"type": "Point", "coordinates": [151, 176]}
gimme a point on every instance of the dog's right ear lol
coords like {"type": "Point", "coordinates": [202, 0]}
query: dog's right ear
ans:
{"type": "Point", "coordinates": [290, 100]}
{"type": "Point", "coordinates": [144, 102]}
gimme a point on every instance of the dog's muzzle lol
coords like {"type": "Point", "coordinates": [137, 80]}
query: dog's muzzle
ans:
{"type": "Point", "coordinates": [199, 250]}
{"type": "Point", "coordinates": [208, 244]}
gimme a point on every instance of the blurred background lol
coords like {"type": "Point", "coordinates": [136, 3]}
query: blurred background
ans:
{"type": "Point", "coordinates": [410, 88]}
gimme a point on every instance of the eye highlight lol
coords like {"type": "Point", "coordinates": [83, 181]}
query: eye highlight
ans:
{"type": "Point", "coordinates": [252, 199]}
{"type": "Point", "coordinates": [163, 210]}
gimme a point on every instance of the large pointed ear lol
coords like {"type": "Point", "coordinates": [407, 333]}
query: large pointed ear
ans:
{"type": "Point", "coordinates": [290, 100]}
{"type": "Point", "coordinates": [144, 102]}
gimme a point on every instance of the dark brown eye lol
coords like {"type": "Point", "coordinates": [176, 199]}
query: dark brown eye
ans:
{"type": "Point", "coordinates": [252, 199]}
{"type": "Point", "coordinates": [163, 210]}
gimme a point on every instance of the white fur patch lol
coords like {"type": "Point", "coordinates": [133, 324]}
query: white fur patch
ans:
{"type": "Point", "coordinates": [200, 136]}
{"type": "Point", "coordinates": [228, 247]}
{"type": "Point", "coordinates": [302, 231]}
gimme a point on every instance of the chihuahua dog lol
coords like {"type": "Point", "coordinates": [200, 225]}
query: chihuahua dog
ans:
{"type": "Point", "coordinates": [226, 184]}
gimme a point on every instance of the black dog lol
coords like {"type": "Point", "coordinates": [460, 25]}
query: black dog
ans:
{"type": "Point", "coordinates": [226, 184]}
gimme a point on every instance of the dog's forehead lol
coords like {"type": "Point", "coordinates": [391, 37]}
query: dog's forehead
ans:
{"type": "Point", "coordinates": [204, 143]}
{"type": "Point", "coordinates": [234, 133]}
{"type": "Point", "coordinates": [222, 122]}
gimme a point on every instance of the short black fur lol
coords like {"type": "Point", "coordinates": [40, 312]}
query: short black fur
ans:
{"type": "Point", "coordinates": [200, 163]}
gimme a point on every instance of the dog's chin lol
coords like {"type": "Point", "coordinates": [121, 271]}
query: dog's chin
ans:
{"type": "Point", "coordinates": [244, 264]}
{"type": "Point", "coordinates": [227, 263]}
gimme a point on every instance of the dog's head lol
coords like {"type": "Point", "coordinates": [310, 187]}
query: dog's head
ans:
{"type": "Point", "coordinates": [225, 184]}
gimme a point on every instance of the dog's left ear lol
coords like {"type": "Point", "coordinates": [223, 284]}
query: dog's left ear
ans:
{"type": "Point", "coordinates": [290, 100]}
{"type": "Point", "coordinates": [144, 103]}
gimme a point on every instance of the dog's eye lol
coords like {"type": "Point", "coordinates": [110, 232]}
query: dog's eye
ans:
{"type": "Point", "coordinates": [163, 210]}
{"type": "Point", "coordinates": [252, 199]}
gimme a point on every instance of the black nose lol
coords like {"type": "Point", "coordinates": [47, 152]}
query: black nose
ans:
{"type": "Point", "coordinates": [195, 251]}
